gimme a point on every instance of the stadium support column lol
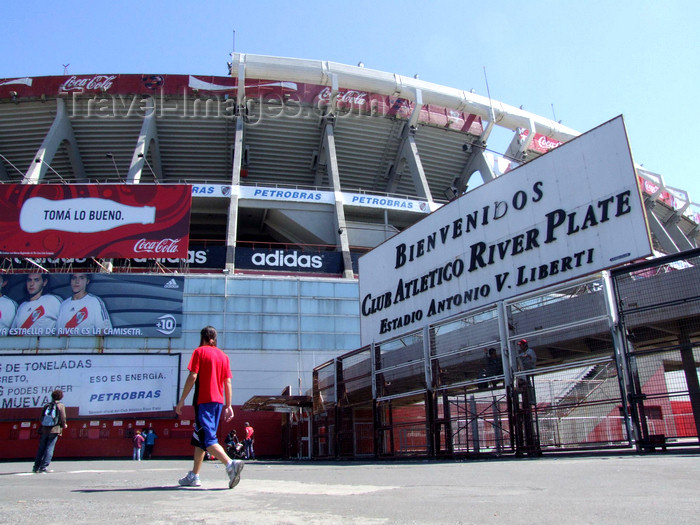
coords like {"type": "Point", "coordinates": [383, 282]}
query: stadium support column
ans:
{"type": "Point", "coordinates": [334, 177]}
{"type": "Point", "coordinates": [475, 162]}
{"type": "Point", "coordinates": [147, 138]}
{"type": "Point", "coordinates": [232, 226]}
{"type": "Point", "coordinates": [408, 155]}
{"type": "Point", "coordinates": [61, 131]}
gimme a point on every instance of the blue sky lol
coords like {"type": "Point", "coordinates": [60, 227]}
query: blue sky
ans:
{"type": "Point", "coordinates": [584, 62]}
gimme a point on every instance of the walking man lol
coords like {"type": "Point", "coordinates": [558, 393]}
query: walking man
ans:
{"type": "Point", "coordinates": [210, 375]}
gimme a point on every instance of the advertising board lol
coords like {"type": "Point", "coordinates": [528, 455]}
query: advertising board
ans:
{"type": "Point", "coordinates": [572, 212]}
{"type": "Point", "coordinates": [91, 304]}
{"type": "Point", "coordinates": [97, 384]}
{"type": "Point", "coordinates": [95, 220]}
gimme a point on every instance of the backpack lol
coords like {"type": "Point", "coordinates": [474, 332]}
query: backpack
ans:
{"type": "Point", "coordinates": [50, 416]}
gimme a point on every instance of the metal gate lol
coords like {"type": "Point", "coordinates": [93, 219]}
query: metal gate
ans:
{"type": "Point", "coordinates": [659, 305]}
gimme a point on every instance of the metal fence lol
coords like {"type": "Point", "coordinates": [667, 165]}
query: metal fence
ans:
{"type": "Point", "coordinates": [617, 366]}
{"type": "Point", "coordinates": [659, 305]}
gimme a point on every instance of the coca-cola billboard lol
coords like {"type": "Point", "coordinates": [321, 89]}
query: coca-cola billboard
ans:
{"type": "Point", "coordinates": [90, 220]}
{"type": "Point", "coordinates": [122, 96]}
{"type": "Point", "coordinates": [87, 83]}
{"type": "Point", "coordinates": [541, 143]}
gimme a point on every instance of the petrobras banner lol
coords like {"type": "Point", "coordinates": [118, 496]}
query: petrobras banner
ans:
{"type": "Point", "coordinates": [95, 220]}
{"type": "Point", "coordinates": [297, 261]}
{"type": "Point", "coordinates": [211, 190]}
{"type": "Point", "coordinates": [361, 200]}
{"type": "Point", "coordinates": [97, 384]}
{"type": "Point", "coordinates": [572, 212]}
{"type": "Point", "coordinates": [378, 201]}
{"type": "Point", "coordinates": [285, 195]}
{"type": "Point", "coordinates": [91, 304]}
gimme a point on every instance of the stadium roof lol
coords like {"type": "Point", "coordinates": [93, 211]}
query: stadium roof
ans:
{"type": "Point", "coordinates": [391, 134]}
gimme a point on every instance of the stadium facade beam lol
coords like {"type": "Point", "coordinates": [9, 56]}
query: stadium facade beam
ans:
{"type": "Point", "coordinates": [476, 162]}
{"type": "Point", "coordinates": [328, 154]}
{"type": "Point", "coordinates": [408, 155]}
{"type": "Point", "coordinates": [61, 131]}
{"type": "Point", "coordinates": [671, 226]}
{"type": "Point", "coordinates": [148, 138]}
{"type": "Point", "coordinates": [517, 150]}
{"type": "Point", "coordinates": [373, 81]}
{"type": "Point", "coordinates": [4, 177]}
{"type": "Point", "coordinates": [666, 242]}
{"type": "Point", "coordinates": [238, 152]}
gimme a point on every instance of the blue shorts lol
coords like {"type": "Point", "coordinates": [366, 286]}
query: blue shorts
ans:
{"type": "Point", "coordinates": [206, 422]}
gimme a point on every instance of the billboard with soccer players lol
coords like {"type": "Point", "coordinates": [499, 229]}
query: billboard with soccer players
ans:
{"type": "Point", "coordinates": [91, 304]}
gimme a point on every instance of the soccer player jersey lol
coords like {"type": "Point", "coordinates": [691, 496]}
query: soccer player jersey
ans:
{"type": "Point", "coordinates": [8, 309]}
{"type": "Point", "coordinates": [89, 312]}
{"type": "Point", "coordinates": [38, 314]}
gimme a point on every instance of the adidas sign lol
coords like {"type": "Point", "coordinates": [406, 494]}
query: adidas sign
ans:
{"type": "Point", "coordinates": [171, 285]}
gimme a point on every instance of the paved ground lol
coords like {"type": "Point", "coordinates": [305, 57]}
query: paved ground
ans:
{"type": "Point", "coordinates": [626, 489]}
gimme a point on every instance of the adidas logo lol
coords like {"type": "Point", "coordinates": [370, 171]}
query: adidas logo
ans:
{"type": "Point", "coordinates": [171, 284]}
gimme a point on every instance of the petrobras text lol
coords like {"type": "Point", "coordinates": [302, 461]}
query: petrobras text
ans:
{"type": "Point", "coordinates": [211, 190]}
{"type": "Point", "coordinates": [285, 194]}
{"type": "Point", "coordinates": [378, 201]}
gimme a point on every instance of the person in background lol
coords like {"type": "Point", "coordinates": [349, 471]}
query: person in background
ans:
{"type": "Point", "coordinates": [526, 355]}
{"type": "Point", "coordinates": [49, 433]}
{"type": "Point", "coordinates": [150, 442]}
{"type": "Point", "coordinates": [138, 444]}
{"type": "Point", "coordinates": [248, 441]}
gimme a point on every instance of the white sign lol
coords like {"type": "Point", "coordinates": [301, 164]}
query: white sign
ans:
{"type": "Point", "coordinates": [98, 384]}
{"type": "Point", "coordinates": [81, 215]}
{"type": "Point", "coordinates": [211, 190]}
{"type": "Point", "coordinates": [286, 195]}
{"type": "Point", "coordinates": [574, 211]}
{"type": "Point", "coordinates": [384, 202]}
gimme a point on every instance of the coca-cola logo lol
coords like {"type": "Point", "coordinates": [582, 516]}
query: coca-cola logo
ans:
{"type": "Point", "coordinates": [97, 82]}
{"type": "Point", "coordinates": [163, 246]}
{"type": "Point", "coordinates": [546, 143]}
{"type": "Point", "coordinates": [540, 142]}
{"type": "Point", "coordinates": [350, 96]}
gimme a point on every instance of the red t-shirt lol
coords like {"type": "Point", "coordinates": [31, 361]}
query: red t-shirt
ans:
{"type": "Point", "coordinates": [213, 369]}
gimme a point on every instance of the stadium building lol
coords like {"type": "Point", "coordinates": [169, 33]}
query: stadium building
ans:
{"type": "Point", "coordinates": [292, 170]}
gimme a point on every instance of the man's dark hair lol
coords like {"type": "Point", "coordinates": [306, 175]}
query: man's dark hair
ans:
{"type": "Point", "coordinates": [57, 395]}
{"type": "Point", "coordinates": [208, 335]}
{"type": "Point", "coordinates": [46, 277]}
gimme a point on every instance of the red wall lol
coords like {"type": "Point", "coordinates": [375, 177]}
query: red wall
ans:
{"type": "Point", "coordinates": [100, 438]}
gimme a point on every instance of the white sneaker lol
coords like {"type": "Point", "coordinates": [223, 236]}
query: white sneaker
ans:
{"type": "Point", "coordinates": [234, 472]}
{"type": "Point", "coordinates": [191, 480]}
